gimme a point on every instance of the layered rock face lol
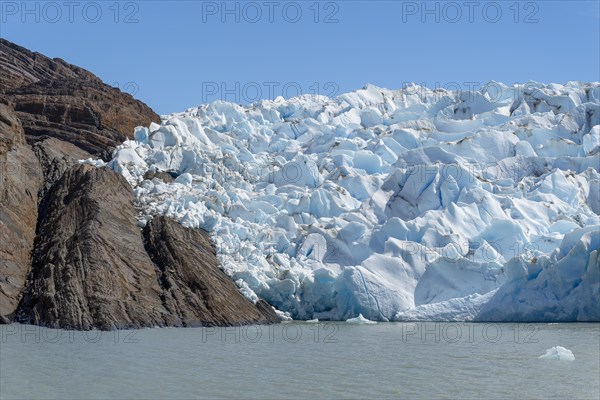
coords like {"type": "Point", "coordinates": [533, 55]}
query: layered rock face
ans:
{"type": "Point", "coordinates": [71, 253]}
{"type": "Point", "coordinates": [21, 66]}
{"type": "Point", "coordinates": [20, 180]}
{"type": "Point", "coordinates": [55, 157]}
{"type": "Point", "coordinates": [10, 126]}
{"type": "Point", "coordinates": [195, 290]}
{"type": "Point", "coordinates": [89, 267]}
{"type": "Point", "coordinates": [57, 99]}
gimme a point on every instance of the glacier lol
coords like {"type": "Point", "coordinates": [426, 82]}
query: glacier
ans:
{"type": "Point", "coordinates": [391, 205]}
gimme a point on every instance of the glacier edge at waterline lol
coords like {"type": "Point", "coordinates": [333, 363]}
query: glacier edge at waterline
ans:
{"type": "Point", "coordinates": [411, 204]}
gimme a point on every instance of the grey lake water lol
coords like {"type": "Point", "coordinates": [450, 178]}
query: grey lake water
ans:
{"type": "Point", "coordinates": [302, 360]}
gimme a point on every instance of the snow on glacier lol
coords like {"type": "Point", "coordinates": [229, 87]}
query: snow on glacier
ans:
{"type": "Point", "coordinates": [391, 204]}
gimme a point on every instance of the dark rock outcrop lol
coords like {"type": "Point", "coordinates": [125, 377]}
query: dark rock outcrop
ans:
{"type": "Point", "coordinates": [21, 66]}
{"type": "Point", "coordinates": [40, 98]}
{"type": "Point", "coordinates": [20, 181]}
{"type": "Point", "coordinates": [87, 269]}
{"type": "Point", "coordinates": [11, 130]}
{"type": "Point", "coordinates": [195, 290]}
{"type": "Point", "coordinates": [71, 253]}
{"type": "Point", "coordinates": [166, 177]}
{"type": "Point", "coordinates": [56, 99]}
{"type": "Point", "coordinates": [55, 157]}
{"type": "Point", "coordinates": [90, 267]}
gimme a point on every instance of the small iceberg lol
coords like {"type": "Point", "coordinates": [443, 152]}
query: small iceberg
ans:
{"type": "Point", "coordinates": [312, 321]}
{"type": "Point", "coordinates": [558, 353]}
{"type": "Point", "coordinates": [360, 320]}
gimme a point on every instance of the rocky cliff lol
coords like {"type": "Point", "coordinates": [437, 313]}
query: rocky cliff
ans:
{"type": "Point", "coordinates": [194, 289]}
{"type": "Point", "coordinates": [55, 99]}
{"type": "Point", "coordinates": [71, 253]}
{"type": "Point", "coordinates": [20, 180]}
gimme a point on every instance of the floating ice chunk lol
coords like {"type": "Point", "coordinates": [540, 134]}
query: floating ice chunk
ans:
{"type": "Point", "coordinates": [312, 321]}
{"type": "Point", "coordinates": [558, 353]}
{"type": "Point", "coordinates": [360, 320]}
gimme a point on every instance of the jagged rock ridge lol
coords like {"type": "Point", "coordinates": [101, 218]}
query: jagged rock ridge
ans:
{"type": "Point", "coordinates": [56, 99]}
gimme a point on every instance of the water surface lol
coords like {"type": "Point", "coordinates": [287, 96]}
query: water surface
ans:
{"type": "Point", "coordinates": [301, 360]}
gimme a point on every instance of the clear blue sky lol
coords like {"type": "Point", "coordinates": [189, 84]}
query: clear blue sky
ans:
{"type": "Point", "coordinates": [177, 54]}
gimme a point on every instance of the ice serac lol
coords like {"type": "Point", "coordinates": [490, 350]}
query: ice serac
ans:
{"type": "Point", "coordinates": [394, 204]}
{"type": "Point", "coordinates": [60, 100]}
{"type": "Point", "coordinates": [564, 286]}
{"type": "Point", "coordinates": [20, 180]}
{"type": "Point", "coordinates": [194, 290]}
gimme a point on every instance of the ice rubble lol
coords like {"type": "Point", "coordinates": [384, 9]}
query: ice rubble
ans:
{"type": "Point", "coordinates": [405, 204]}
{"type": "Point", "coordinates": [558, 353]}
